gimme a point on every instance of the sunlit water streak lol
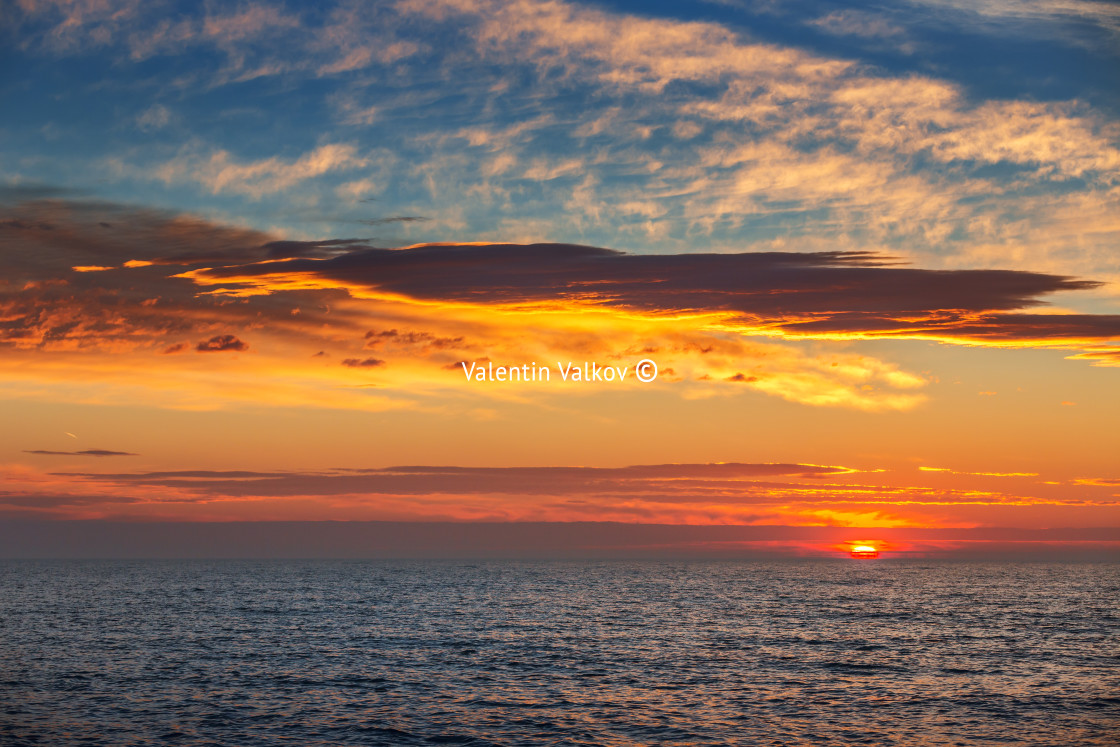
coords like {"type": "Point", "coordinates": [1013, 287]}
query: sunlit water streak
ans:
{"type": "Point", "coordinates": [618, 653]}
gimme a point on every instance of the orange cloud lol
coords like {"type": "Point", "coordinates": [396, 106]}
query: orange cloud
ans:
{"type": "Point", "coordinates": [425, 308]}
{"type": "Point", "coordinates": [720, 493]}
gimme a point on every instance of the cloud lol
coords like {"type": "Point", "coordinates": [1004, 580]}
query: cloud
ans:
{"type": "Point", "coordinates": [154, 117]}
{"type": "Point", "coordinates": [250, 22]}
{"type": "Point", "coordinates": [220, 172]}
{"type": "Point", "coordinates": [850, 22]}
{"type": "Point", "coordinates": [818, 295]}
{"type": "Point", "coordinates": [257, 40]}
{"type": "Point", "coordinates": [363, 362]}
{"type": "Point", "coordinates": [978, 474]}
{"type": "Point", "coordinates": [645, 131]}
{"type": "Point", "coordinates": [137, 299]}
{"type": "Point", "coordinates": [726, 324]}
{"type": "Point", "coordinates": [819, 149]}
{"type": "Point", "coordinates": [1043, 18]}
{"type": "Point", "coordinates": [395, 219]}
{"type": "Point", "coordinates": [1108, 482]}
{"type": "Point", "coordinates": [458, 365]}
{"type": "Point", "coordinates": [220, 343]}
{"type": "Point", "coordinates": [86, 452]}
{"type": "Point", "coordinates": [393, 338]}
{"type": "Point", "coordinates": [34, 537]}
{"type": "Point", "coordinates": [714, 493]}
{"type": "Point", "coordinates": [725, 482]}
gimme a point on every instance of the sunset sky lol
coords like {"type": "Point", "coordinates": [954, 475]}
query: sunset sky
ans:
{"type": "Point", "coordinates": [247, 249]}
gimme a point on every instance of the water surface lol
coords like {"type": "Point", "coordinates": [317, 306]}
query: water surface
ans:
{"type": "Point", "coordinates": [568, 653]}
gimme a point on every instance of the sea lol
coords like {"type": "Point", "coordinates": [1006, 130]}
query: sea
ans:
{"type": "Point", "coordinates": [799, 652]}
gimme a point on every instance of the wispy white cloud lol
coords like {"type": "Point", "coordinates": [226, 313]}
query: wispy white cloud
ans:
{"type": "Point", "coordinates": [1106, 15]}
{"type": "Point", "coordinates": [871, 27]}
{"type": "Point", "coordinates": [858, 156]}
{"type": "Point", "coordinates": [645, 132]}
{"type": "Point", "coordinates": [155, 117]}
{"type": "Point", "coordinates": [220, 172]}
{"type": "Point", "coordinates": [256, 39]}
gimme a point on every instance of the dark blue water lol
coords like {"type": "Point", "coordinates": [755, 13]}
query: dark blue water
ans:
{"type": "Point", "coordinates": [506, 653]}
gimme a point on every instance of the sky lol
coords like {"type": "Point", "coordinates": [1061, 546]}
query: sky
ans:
{"type": "Point", "coordinates": [259, 262]}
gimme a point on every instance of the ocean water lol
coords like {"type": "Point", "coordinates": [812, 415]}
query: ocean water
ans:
{"type": "Point", "coordinates": [835, 652]}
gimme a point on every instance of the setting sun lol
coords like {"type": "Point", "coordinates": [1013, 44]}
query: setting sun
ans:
{"type": "Point", "coordinates": [864, 551]}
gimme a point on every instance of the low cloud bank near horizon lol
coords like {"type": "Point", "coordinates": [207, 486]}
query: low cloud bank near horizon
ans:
{"type": "Point", "coordinates": [742, 494]}
{"type": "Point", "coordinates": [304, 540]}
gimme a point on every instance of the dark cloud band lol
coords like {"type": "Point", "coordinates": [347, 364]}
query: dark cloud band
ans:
{"type": "Point", "coordinates": [817, 294]}
{"type": "Point", "coordinates": [143, 270]}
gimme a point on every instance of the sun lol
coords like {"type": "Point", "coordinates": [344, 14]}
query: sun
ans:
{"type": "Point", "coordinates": [865, 551]}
